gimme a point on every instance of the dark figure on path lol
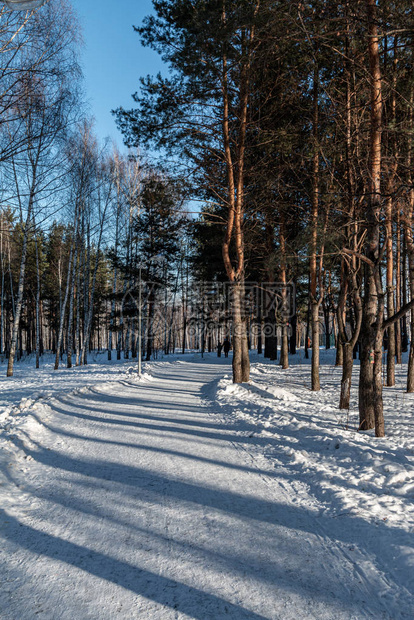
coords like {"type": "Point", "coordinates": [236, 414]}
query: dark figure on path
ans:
{"type": "Point", "coordinates": [226, 347]}
{"type": "Point", "coordinates": [219, 348]}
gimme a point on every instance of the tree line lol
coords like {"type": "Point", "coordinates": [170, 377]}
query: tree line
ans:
{"type": "Point", "coordinates": [294, 121]}
{"type": "Point", "coordinates": [76, 218]}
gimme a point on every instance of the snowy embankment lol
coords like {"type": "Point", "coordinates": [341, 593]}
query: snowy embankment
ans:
{"type": "Point", "coordinates": [30, 389]}
{"type": "Point", "coordinates": [317, 449]}
{"type": "Point", "coordinates": [305, 433]}
{"type": "Point", "coordinates": [26, 394]}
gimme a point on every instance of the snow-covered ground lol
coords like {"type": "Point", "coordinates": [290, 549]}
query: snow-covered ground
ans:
{"type": "Point", "coordinates": [29, 383]}
{"type": "Point", "coordinates": [18, 394]}
{"type": "Point", "coordinates": [363, 484]}
{"type": "Point", "coordinates": [181, 495]}
{"type": "Point", "coordinates": [305, 435]}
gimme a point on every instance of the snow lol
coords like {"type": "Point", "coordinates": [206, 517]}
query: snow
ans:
{"type": "Point", "coordinates": [181, 495]}
{"type": "Point", "coordinates": [310, 431]}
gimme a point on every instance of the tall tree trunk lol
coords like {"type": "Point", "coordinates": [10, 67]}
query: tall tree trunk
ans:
{"type": "Point", "coordinates": [241, 365]}
{"type": "Point", "coordinates": [347, 366]}
{"type": "Point", "coordinates": [409, 240]}
{"type": "Point", "coordinates": [398, 352]}
{"type": "Point", "coordinates": [150, 316]}
{"type": "Point", "coordinates": [37, 304]}
{"type": "Point", "coordinates": [284, 349]}
{"type": "Point", "coordinates": [341, 316]}
{"type": "Point", "coordinates": [234, 158]}
{"type": "Point", "coordinates": [370, 385]}
{"type": "Point", "coordinates": [121, 323]}
{"type": "Point", "coordinates": [20, 289]}
{"type": "Point", "coordinates": [315, 302]}
{"type": "Point", "coordinates": [86, 296]}
{"type": "Point", "coordinates": [114, 282]}
{"type": "Point", "coordinates": [78, 307]}
{"type": "Point", "coordinates": [13, 305]}
{"type": "Point", "coordinates": [89, 315]}
{"type": "Point", "coordinates": [112, 316]}
{"type": "Point", "coordinates": [348, 344]}
{"type": "Point", "coordinates": [293, 322]}
{"type": "Point", "coordinates": [308, 318]}
{"type": "Point", "coordinates": [184, 311]}
{"type": "Point", "coordinates": [71, 303]}
{"type": "Point", "coordinates": [389, 227]}
{"type": "Point", "coordinates": [404, 336]}
{"type": "Point", "coordinates": [390, 294]}
{"type": "Point", "coordinates": [64, 304]}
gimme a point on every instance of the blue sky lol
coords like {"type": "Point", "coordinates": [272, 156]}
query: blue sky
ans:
{"type": "Point", "coordinates": [113, 59]}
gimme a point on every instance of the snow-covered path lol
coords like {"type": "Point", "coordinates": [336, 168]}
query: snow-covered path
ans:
{"type": "Point", "coordinates": [137, 500]}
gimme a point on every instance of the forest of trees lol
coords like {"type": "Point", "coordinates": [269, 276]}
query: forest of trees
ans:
{"type": "Point", "coordinates": [296, 122]}
{"type": "Point", "coordinates": [80, 223]}
{"type": "Point", "coordinates": [290, 123]}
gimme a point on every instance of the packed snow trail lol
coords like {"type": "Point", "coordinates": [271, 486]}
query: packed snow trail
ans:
{"type": "Point", "coordinates": [137, 500]}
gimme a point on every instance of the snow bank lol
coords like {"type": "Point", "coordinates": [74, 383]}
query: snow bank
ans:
{"type": "Point", "coordinates": [305, 432]}
{"type": "Point", "coordinates": [24, 398]}
{"type": "Point", "coordinates": [317, 454]}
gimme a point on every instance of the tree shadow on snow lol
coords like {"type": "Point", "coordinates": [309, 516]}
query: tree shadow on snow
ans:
{"type": "Point", "coordinates": [244, 508]}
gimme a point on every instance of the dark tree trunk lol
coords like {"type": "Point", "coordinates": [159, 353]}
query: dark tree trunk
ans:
{"type": "Point", "coordinates": [241, 361]}
{"type": "Point", "coordinates": [370, 385]}
{"type": "Point", "coordinates": [348, 363]}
